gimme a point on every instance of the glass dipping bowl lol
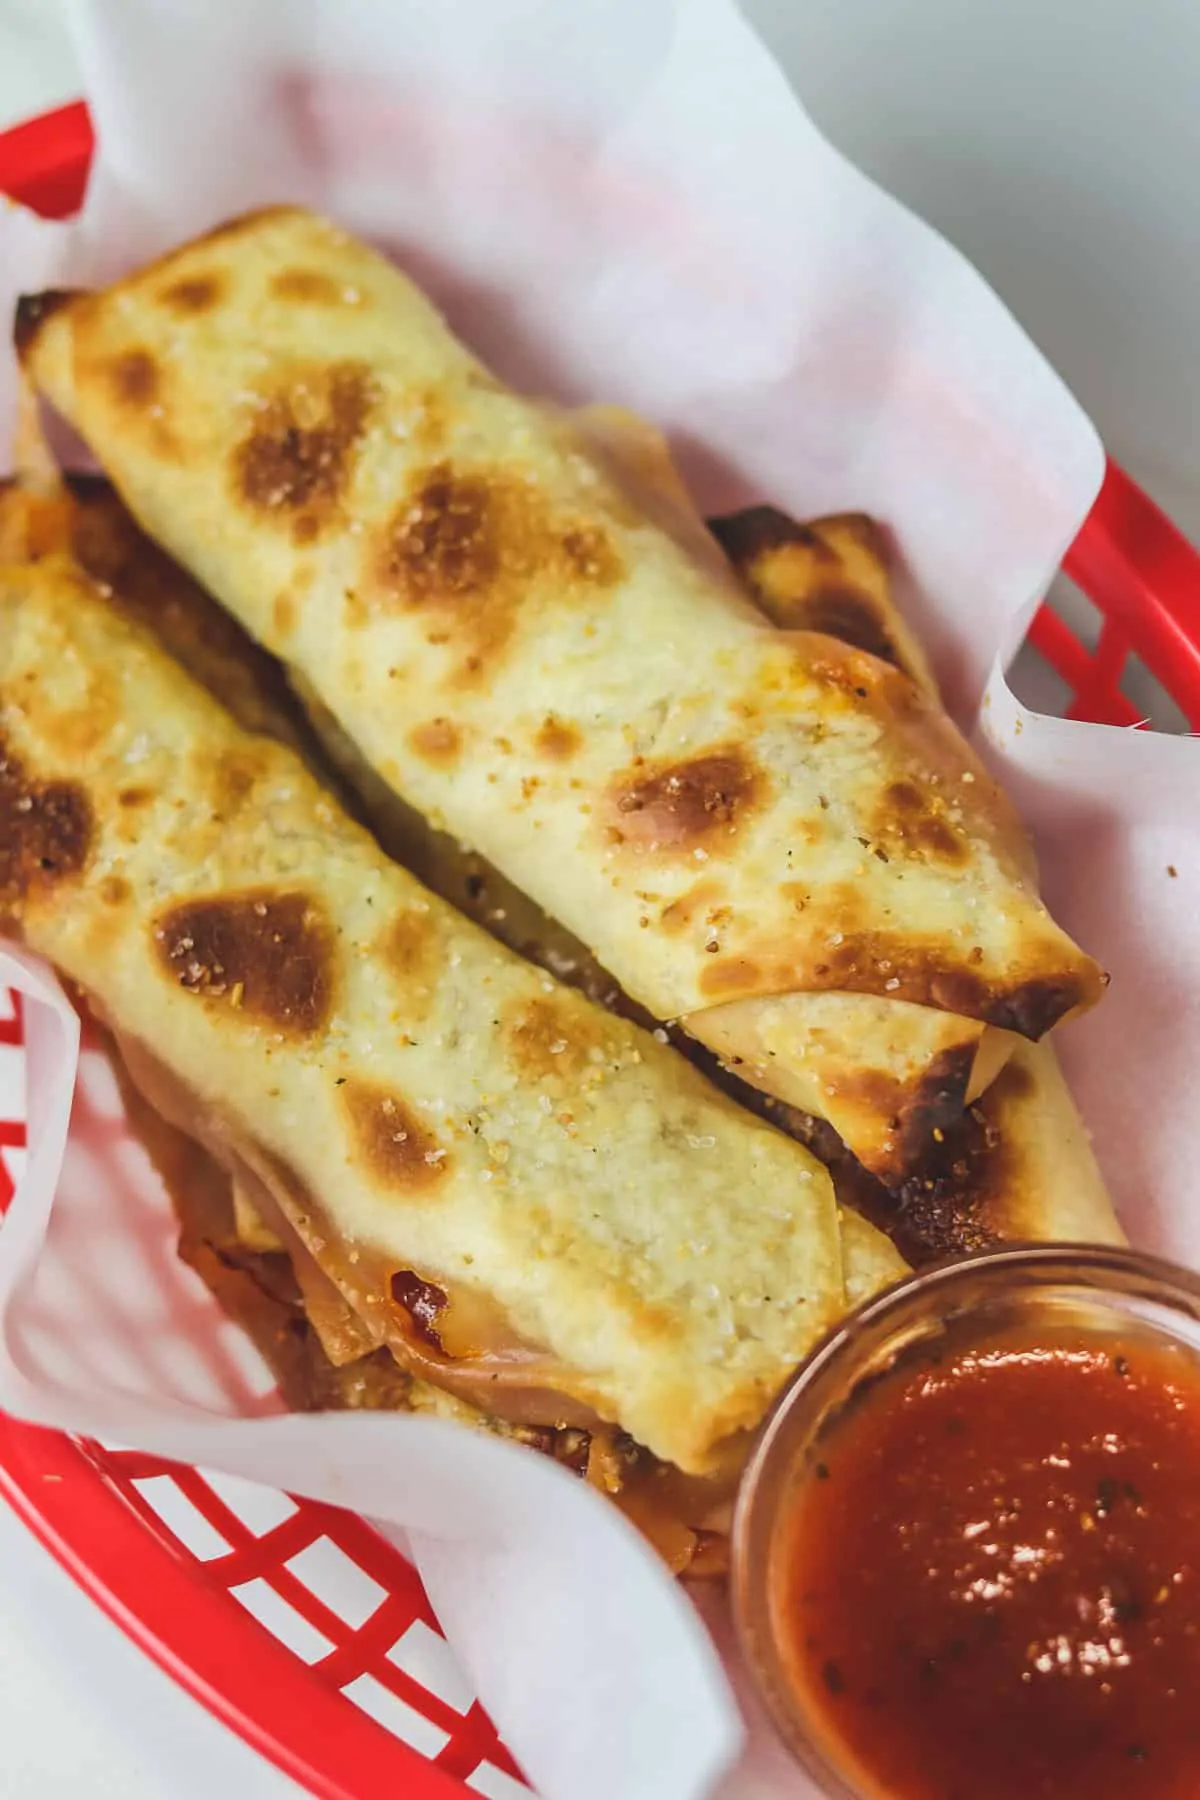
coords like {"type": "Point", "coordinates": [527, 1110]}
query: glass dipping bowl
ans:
{"type": "Point", "coordinates": [941, 1310]}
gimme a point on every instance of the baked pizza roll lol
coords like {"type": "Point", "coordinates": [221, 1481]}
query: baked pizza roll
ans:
{"type": "Point", "coordinates": [531, 1203]}
{"type": "Point", "coordinates": [776, 837]}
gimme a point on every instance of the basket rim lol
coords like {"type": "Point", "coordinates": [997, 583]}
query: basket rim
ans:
{"type": "Point", "coordinates": [62, 1497]}
{"type": "Point", "coordinates": [1128, 557]}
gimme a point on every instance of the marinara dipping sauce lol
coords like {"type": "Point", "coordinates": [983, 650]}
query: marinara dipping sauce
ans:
{"type": "Point", "coordinates": [967, 1553]}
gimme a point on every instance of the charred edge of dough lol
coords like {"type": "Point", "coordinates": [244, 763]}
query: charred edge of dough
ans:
{"type": "Point", "coordinates": [746, 534]}
{"type": "Point", "coordinates": [33, 311]}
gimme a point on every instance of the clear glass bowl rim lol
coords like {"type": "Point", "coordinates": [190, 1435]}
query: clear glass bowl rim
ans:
{"type": "Point", "coordinates": [1114, 1270]}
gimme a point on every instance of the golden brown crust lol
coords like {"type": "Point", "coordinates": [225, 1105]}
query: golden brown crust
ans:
{"type": "Point", "coordinates": [464, 549]}
{"type": "Point", "coordinates": [438, 740]}
{"type": "Point", "coordinates": [223, 235]}
{"type": "Point", "coordinates": [698, 803]}
{"type": "Point", "coordinates": [390, 1138]}
{"type": "Point", "coordinates": [925, 973]}
{"type": "Point", "coordinates": [263, 952]}
{"type": "Point", "coordinates": [552, 1038]}
{"type": "Point", "coordinates": [830, 575]}
{"type": "Point", "coordinates": [1015, 1165]}
{"type": "Point", "coordinates": [557, 739]}
{"type": "Point", "coordinates": [46, 830]}
{"type": "Point", "coordinates": [312, 287]}
{"type": "Point", "coordinates": [134, 378]}
{"type": "Point", "coordinates": [295, 464]}
{"type": "Point", "coordinates": [412, 947]}
{"type": "Point", "coordinates": [194, 294]}
{"type": "Point", "coordinates": [919, 1108]}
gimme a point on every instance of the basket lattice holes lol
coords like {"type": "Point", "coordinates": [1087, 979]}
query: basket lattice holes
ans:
{"type": "Point", "coordinates": [112, 1301]}
{"type": "Point", "coordinates": [1078, 664]}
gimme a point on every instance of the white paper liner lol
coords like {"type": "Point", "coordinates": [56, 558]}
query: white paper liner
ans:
{"type": "Point", "coordinates": [618, 200]}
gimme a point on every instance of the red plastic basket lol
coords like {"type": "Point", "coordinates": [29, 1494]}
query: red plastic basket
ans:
{"type": "Point", "coordinates": [355, 1690]}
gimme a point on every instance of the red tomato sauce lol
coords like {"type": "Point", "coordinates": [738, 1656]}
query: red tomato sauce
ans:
{"type": "Point", "coordinates": [992, 1589]}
